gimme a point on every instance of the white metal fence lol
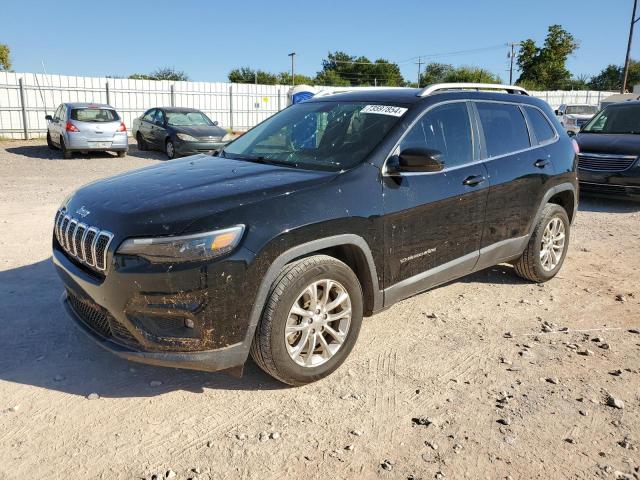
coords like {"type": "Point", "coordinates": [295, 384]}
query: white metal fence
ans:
{"type": "Point", "coordinates": [25, 99]}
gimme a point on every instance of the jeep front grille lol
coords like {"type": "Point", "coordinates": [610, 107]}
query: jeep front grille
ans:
{"type": "Point", "coordinates": [83, 242]}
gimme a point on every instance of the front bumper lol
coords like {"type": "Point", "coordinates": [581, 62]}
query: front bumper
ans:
{"type": "Point", "coordinates": [624, 184]}
{"type": "Point", "coordinates": [193, 148]}
{"type": "Point", "coordinates": [178, 317]}
{"type": "Point", "coordinates": [210, 361]}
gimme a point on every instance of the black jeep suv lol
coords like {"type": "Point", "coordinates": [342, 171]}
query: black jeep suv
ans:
{"type": "Point", "coordinates": [330, 210]}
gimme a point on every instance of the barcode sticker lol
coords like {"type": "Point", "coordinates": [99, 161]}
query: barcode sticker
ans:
{"type": "Point", "coordinates": [384, 110]}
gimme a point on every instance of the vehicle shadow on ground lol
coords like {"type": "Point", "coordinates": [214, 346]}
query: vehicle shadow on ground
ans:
{"type": "Point", "coordinates": [40, 346]}
{"type": "Point", "coordinates": [43, 152]}
{"type": "Point", "coordinates": [590, 203]}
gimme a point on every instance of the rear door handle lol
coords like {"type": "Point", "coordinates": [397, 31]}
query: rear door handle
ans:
{"type": "Point", "coordinates": [473, 180]}
{"type": "Point", "coordinates": [543, 162]}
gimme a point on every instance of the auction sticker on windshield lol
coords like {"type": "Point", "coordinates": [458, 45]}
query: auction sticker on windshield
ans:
{"type": "Point", "coordinates": [384, 110]}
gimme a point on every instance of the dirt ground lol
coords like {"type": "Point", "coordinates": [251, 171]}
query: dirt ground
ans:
{"type": "Point", "coordinates": [488, 377]}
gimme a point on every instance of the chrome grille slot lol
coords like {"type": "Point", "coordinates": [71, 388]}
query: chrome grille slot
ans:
{"type": "Point", "coordinates": [85, 243]}
{"type": "Point", "coordinates": [63, 230]}
{"type": "Point", "coordinates": [88, 246]}
{"type": "Point", "coordinates": [71, 240]}
{"type": "Point", "coordinates": [598, 162]}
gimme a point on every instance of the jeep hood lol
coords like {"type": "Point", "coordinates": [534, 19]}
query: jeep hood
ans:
{"type": "Point", "coordinates": [165, 199]}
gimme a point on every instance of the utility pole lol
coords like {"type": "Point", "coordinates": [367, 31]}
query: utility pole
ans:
{"type": "Point", "coordinates": [419, 63]}
{"type": "Point", "coordinates": [634, 20]}
{"type": "Point", "coordinates": [512, 54]}
{"type": "Point", "coordinates": [293, 77]}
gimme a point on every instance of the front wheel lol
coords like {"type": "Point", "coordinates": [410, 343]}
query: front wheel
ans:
{"type": "Point", "coordinates": [547, 247]}
{"type": "Point", "coordinates": [311, 321]}
{"type": "Point", "coordinates": [142, 145]}
{"type": "Point", "coordinates": [170, 150]}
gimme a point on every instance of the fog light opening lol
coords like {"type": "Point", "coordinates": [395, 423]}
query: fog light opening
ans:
{"type": "Point", "coordinates": [189, 323]}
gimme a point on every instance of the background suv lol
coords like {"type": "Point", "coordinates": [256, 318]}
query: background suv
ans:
{"type": "Point", "coordinates": [610, 151]}
{"type": "Point", "coordinates": [573, 117]}
{"type": "Point", "coordinates": [330, 210]}
{"type": "Point", "coordinates": [86, 127]}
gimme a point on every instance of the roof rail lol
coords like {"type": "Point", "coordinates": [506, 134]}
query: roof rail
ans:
{"type": "Point", "coordinates": [436, 87]}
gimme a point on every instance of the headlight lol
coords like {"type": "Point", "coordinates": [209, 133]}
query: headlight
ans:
{"type": "Point", "coordinates": [228, 137]}
{"type": "Point", "coordinates": [200, 246]}
{"type": "Point", "coordinates": [186, 138]}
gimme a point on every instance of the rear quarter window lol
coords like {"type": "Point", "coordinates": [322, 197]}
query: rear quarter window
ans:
{"type": "Point", "coordinates": [542, 129]}
{"type": "Point", "coordinates": [504, 126]}
{"type": "Point", "coordinates": [94, 115]}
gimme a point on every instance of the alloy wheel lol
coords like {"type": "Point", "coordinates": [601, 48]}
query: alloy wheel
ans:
{"type": "Point", "coordinates": [318, 323]}
{"type": "Point", "coordinates": [552, 246]}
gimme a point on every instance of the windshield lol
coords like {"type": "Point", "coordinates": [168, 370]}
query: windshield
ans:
{"type": "Point", "coordinates": [94, 115]}
{"type": "Point", "coordinates": [188, 119]}
{"type": "Point", "coordinates": [581, 110]}
{"type": "Point", "coordinates": [318, 135]}
{"type": "Point", "coordinates": [615, 119]}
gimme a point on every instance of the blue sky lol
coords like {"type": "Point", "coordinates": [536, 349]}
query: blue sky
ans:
{"type": "Point", "coordinates": [206, 39]}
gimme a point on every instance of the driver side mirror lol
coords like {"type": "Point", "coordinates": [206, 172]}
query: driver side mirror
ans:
{"type": "Point", "coordinates": [48, 118]}
{"type": "Point", "coordinates": [571, 133]}
{"type": "Point", "coordinates": [215, 123]}
{"type": "Point", "coordinates": [419, 160]}
{"type": "Point", "coordinates": [558, 113]}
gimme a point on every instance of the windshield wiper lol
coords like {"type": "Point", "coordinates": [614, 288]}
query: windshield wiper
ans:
{"type": "Point", "coordinates": [257, 159]}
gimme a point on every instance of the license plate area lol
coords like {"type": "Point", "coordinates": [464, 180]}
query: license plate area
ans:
{"type": "Point", "coordinates": [99, 144]}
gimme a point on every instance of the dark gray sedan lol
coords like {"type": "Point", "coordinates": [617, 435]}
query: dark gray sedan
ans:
{"type": "Point", "coordinates": [178, 132]}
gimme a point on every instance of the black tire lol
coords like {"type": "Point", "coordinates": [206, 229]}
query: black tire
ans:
{"type": "Point", "coordinates": [66, 154]}
{"type": "Point", "coordinates": [170, 149]}
{"type": "Point", "coordinates": [50, 143]}
{"type": "Point", "coordinates": [529, 265]}
{"type": "Point", "coordinates": [122, 154]}
{"type": "Point", "coordinates": [142, 144]}
{"type": "Point", "coordinates": [269, 349]}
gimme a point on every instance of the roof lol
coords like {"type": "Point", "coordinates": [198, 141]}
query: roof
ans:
{"type": "Point", "coordinates": [178, 109]}
{"type": "Point", "coordinates": [620, 97]}
{"type": "Point", "coordinates": [87, 104]}
{"type": "Point", "coordinates": [409, 96]}
{"type": "Point", "coordinates": [622, 103]}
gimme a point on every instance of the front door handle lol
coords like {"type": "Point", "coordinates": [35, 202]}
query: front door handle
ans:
{"type": "Point", "coordinates": [473, 180]}
{"type": "Point", "coordinates": [543, 162]}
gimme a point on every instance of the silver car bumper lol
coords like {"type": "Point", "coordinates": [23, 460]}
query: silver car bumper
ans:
{"type": "Point", "coordinates": [78, 141]}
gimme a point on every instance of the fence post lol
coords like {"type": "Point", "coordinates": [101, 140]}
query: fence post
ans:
{"type": "Point", "coordinates": [23, 104]}
{"type": "Point", "coordinates": [106, 88]}
{"type": "Point", "coordinates": [231, 107]}
{"type": "Point", "coordinates": [173, 96]}
{"type": "Point", "coordinates": [279, 107]}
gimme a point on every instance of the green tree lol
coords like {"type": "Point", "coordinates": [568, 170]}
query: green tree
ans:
{"type": "Point", "coordinates": [444, 73]}
{"type": "Point", "coordinates": [340, 68]}
{"type": "Point", "coordinates": [610, 78]}
{"type": "Point", "coordinates": [545, 67]}
{"type": "Point", "coordinates": [249, 75]}
{"type": "Point", "coordinates": [5, 57]}
{"type": "Point", "coordinates": [330, 78]}
{"type": "Point", "coordinates": [162, 73]}
{"type": "Point", "coordinates": [284, 78]}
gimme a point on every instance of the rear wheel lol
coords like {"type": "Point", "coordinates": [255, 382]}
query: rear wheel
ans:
{"type": "Point", "coordinates": [66, 154]}
{"type": "Point", "coordinates": [122, 154]}
{"type": "Point", "coordinates": [547, 248]}
{"type": "Point", "coordinates": [142, 145]}
{"type": "Point", "coordinates": [311, 321]}
{"type": "Point", "coordinates": [170, 150]}
{"type": "Point", "coordinates": [50, 143]}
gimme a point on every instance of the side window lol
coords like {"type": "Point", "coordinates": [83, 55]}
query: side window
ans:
{"type": "Point", "coordinates": [148, 117]}
{"type": "Point", "coordinates": [505, 130]}
{"type": "Point", "coordinates": [446, 129]}
{"type": "Point", "coordinates": [62, 112]}
{"type": "Point", "coordinates": [159, 118]}
{"type": "Point", "coordinates": [540, 125]}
